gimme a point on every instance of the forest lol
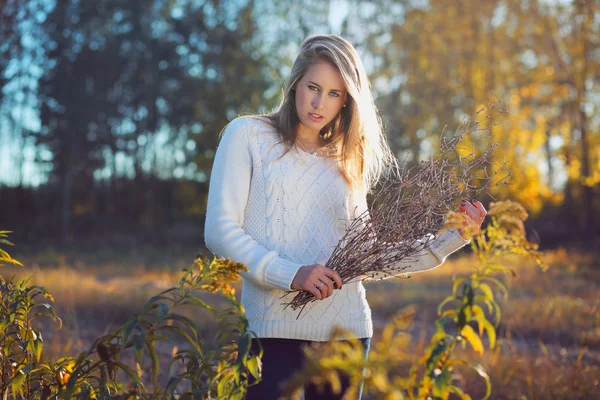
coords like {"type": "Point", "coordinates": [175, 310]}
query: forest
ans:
{"type": "Point", "coordinates": [110, 111]}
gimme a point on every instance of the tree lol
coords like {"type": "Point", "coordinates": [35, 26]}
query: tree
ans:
{"type": "Point", "coordinates": [443, 60]}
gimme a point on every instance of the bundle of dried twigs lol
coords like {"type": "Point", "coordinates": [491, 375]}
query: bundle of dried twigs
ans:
{"type": "Point", "coordinates": [412, 204]}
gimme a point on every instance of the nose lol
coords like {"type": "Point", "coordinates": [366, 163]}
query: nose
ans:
{"type": "Point", "coordinates": [317, 101]}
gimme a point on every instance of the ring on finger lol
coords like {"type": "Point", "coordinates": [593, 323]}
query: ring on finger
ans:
{"type": "Point", "coordinates": [322, 283]}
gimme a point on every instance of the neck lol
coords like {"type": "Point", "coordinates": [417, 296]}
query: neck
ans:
{"type": "Point", "coordinates": [309, 139]}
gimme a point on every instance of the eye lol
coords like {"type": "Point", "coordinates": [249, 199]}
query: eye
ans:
{"type": "Point", "coordinates": [334, 94]}
{"type": "Point", "coordinates": [312, 87]}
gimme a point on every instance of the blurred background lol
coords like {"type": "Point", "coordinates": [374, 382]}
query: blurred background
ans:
{"type": "Point", "coordinates": [110, 110]}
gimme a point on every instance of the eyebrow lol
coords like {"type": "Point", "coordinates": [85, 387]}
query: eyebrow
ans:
{"type": "Point", "coordinates": [333, 90]}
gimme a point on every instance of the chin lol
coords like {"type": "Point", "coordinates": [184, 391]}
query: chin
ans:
{"type": "Point", "coordinates": [316, 126]}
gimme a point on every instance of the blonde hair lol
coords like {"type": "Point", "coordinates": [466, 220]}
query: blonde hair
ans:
{"type": "Point", "coordinates": [357, 132]}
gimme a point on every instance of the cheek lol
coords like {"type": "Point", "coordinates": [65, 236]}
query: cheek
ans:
{"type": "Point", "coordinates": [337, 105]}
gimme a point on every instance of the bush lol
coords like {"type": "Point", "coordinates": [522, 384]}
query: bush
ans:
{"type": "Point", "coordinates": [112, 368]}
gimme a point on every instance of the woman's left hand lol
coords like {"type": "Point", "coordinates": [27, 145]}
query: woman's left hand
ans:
{"type": "Point", "coordinates": [474, 210]}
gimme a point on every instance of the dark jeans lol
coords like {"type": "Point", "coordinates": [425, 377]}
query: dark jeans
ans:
{"type": "Point", "coordinates": [281, 359]}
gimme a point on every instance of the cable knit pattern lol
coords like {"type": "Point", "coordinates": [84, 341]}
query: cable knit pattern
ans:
{"type": "Point", "coordinates": [275, 212]}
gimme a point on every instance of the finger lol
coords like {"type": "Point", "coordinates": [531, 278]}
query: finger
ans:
{"type": "Point", "coordinates": [328, 284]}
{"type": "Point", "coordinates": [325, 285]}
{"type": "Point", "coordinates": [466, 204]}
{"type": "Point", "coordinates": [463, 207]}
{"type": "Point", "coordinates": [480, 207]}
{"type": "Point", "coordinates": [315, 291]}
{"type": "Point", "coordinates": [335, 276]}
{"type": "Point", "coordinates": [322, 286]}
{"type": "Point", "coordinates": [471, 211]}
{"type": "Point", "coordinates": [464, 210]}
{"type": "Point", "coordinates": [478, 212]}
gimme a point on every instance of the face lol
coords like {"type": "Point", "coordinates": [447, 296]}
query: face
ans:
{"type": "Point", "coordinates": [320, 95]}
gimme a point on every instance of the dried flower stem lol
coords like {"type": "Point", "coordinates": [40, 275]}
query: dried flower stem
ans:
{"type": "Point", "coordinates": [411, 205]}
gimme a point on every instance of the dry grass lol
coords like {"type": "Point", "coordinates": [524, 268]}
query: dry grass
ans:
{"type": "Point", "coordinates": [550, 330]}
{"type": "Point", "coordinates": [95, 295]}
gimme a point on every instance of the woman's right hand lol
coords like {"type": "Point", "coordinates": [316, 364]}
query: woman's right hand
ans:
{"type": "Point", "coordinates": [316, 279]}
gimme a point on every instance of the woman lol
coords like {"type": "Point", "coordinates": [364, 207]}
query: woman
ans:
{"type": "Point", "coordinates": [283, 190]}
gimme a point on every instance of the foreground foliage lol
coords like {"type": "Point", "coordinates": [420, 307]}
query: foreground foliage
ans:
{"type": "Point", "coordinates": [114, 365]}
{"type": "Point", "coordinates": [465, 317]}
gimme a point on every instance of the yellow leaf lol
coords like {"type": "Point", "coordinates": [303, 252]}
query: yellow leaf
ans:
{"type": "Point", "coordinates": [469, 334]}
{"type": "Point", "coordinates": [487, 290]}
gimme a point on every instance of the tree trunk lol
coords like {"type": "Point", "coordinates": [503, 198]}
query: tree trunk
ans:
{"type": "Point", "coordinates": [66, 196]}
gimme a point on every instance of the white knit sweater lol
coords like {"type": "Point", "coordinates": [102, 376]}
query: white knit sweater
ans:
{"type": "Point", "coordinates": [277, 214]}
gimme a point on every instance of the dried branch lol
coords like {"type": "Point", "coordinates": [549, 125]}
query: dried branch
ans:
{"type": "Point", "coordinates": [412, 204]}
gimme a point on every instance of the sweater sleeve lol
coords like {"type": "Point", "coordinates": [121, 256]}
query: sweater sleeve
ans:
{"type": "Point", "coordinates": [228, 193]}
{"type": "Point", "coordinates": [428, 257]}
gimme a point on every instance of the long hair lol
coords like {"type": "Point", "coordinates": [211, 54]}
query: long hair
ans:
{"type": "Point", "coordinates": [357, 134]}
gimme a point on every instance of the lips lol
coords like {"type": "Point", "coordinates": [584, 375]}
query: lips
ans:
{"type": "Point", "coordinates": [315, 117]}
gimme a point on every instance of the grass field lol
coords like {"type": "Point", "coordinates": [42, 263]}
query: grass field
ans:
{"type": "Point", "coordinates": [549, 345]}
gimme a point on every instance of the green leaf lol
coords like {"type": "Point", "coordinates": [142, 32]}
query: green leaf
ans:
{"type": "Point", "coordinates": [163, 310]}
{"type": "Point", "coordinates": [155, 338]}
{"type": "Point", "coordinates": [155, 362]}
{"type": "Point", "coordinates": [459, 392]}
{"type": "Point", "coordinates": [243, 348]}
{"type": "Point", "coordinates": [171, 289]}
{"type": "Point", "coordinates": [446, 301]}
{"type": "Point", "coordinates": [3, 324]}
{"type": "Point", "coordinates": [237, 394]}
{"type": "Point", "coordinates": [37, 349]}
{"type": "Point", "coordinates": [190, 340]}
{"type": "Point", "coordinates": [127, 329]}
{"type": "Point", "coordinates": [468, 295]}
{"type": "Point", "coordinates": [138, 348]}
{"type": "Point", "coordinates": [186, 321]}
{"type": "Point", "coordinates": [224, 383]}
{"type": "Point", "coordinates": [129, 371]}
{"type": "Point", "coordinates": [438, 336]}
{"type": "Point", "coordinates": [154, 300]}
{"type": "Point", "coordinates": [441, 383]}
{"type": "Point", "coordinates": [462, 318]}
{"type": "Point", "coordinates": [196, 301]}
{"type": "Point", "coordinates": [255, 367]}
{"type": "Point", "coordinates": [172, 384]}
{"type": "Point", "coordinates": [457, 282]}
{"type": "Point", "coordinates": [17, 383]}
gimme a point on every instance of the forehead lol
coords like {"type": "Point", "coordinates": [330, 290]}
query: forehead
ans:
{"type": "Point", "coordinates": [326, 75]}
